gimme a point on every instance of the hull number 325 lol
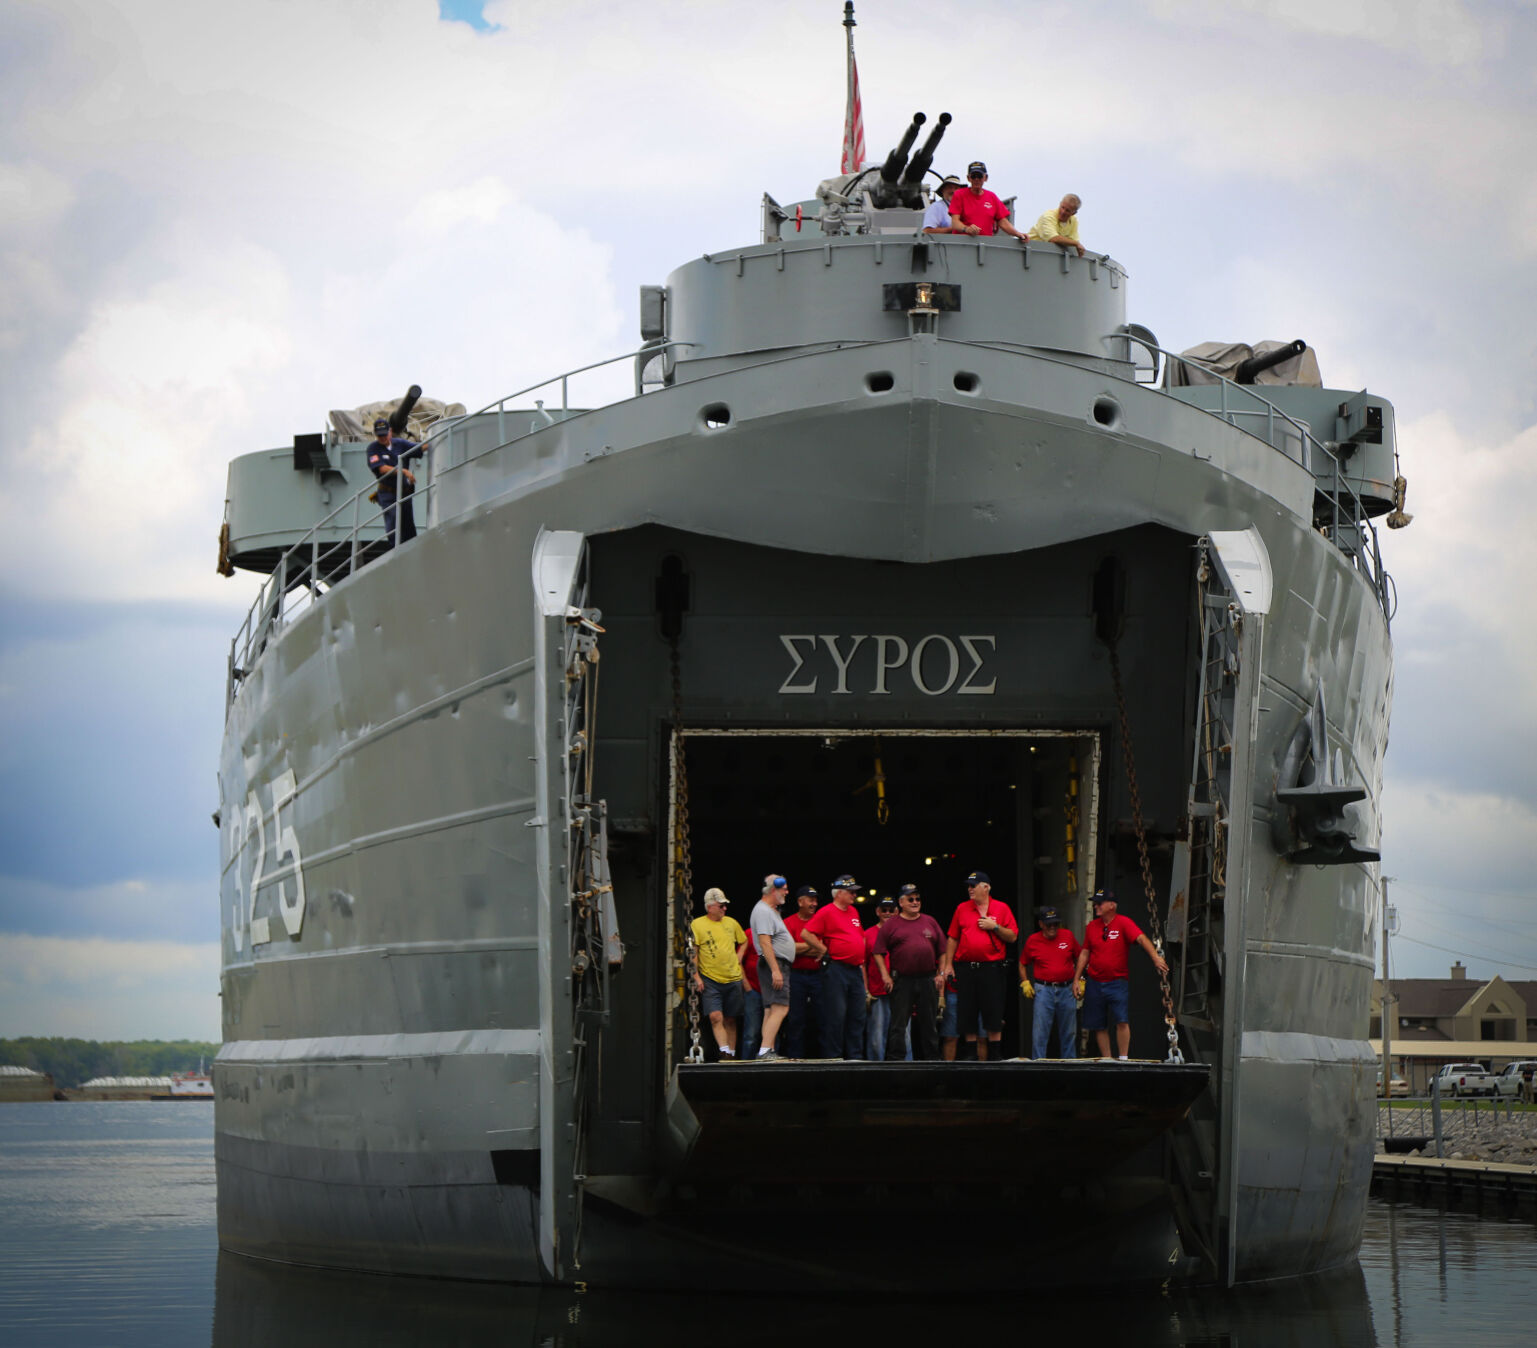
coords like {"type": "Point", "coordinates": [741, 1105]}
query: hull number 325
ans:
{"type": "Point", "coordinates": [936, 664]}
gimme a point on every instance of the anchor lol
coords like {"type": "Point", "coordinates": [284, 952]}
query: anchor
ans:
{"type": "Point", "coordinates": [1309, 825]}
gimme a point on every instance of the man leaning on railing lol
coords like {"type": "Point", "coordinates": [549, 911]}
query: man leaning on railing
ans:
{"type": "Point", "coordinates": [387, 459]}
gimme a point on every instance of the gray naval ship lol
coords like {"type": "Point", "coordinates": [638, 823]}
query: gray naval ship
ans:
{"type": "Point", "coordinates": [909, 554]}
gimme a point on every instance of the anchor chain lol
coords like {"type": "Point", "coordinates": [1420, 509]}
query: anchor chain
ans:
{"type": "Point", "coordinates": [1154, 920]}
{"type": "Point", "coordinates": [683, 863]}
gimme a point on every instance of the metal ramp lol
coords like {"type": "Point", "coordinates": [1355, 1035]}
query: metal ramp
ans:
{"type": "Point", "coordinates": [1019, 1119]}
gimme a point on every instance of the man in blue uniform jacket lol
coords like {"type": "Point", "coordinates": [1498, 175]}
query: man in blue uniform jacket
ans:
{"type": "Point", "coordinates": [387, 459]}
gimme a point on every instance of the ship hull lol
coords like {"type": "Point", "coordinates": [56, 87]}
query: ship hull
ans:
{"type": "Point", "coordinates": [393, 1087]}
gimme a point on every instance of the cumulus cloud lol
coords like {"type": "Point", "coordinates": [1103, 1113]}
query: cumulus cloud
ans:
{"type": "Point", "coordinates": [217, 223]}
{"type": "Point", "coordinates": [94, 988]}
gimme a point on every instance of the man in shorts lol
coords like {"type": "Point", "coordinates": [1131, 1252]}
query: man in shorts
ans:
{"type": "Point", "coordinates": [718, 944]}
{"type": "Point", "coordinates": [980, 933]}
{"type": "Point", "coordinates": [776, 950]}
{"type": "Point", "coordinates": [1106, 990]}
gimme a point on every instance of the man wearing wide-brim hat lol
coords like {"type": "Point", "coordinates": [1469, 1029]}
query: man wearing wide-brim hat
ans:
{"type": "Point", "coordinates": [936, 219]}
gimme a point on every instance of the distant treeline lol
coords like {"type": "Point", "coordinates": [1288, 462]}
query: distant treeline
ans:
{"type": "Point", "coordinates": [73, 1061]}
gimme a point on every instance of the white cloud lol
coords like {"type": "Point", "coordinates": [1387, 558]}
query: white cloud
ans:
{"type": "Point", "coordinates": [100, 989]}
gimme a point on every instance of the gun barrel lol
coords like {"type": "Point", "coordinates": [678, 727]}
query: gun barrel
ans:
{"type": "Point", "coordinates": [925, 156]}
{"type": "Point", "coordinates": [402, 414]}
{"type": "Point", "coordinates": [892, 168]}
{"type": "Point", "coordinates": [1257, 365]}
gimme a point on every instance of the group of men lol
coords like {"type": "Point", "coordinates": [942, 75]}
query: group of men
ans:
{"type": "Point", "coordinates": [829, 986]}
{"type": "Point", "coordinates": [971, 208]}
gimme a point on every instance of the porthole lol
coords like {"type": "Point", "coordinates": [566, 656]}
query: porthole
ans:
{"type": "Point", "coordinates": [717, 416]}
{"type": "Point", "coordinates": [966, 382]}
{"type": "Point", "coordinates": [880, 381]}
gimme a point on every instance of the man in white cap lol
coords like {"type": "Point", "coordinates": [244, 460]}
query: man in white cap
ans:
{"type": "Point", "coordinates": [718, 944]}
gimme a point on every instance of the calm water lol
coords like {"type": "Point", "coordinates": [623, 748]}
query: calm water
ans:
{"type": "Point", "coordinates": [107, 1237]}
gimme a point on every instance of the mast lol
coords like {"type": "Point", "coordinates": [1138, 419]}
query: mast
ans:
{"type": "Point", "coordinates": [853, 157]}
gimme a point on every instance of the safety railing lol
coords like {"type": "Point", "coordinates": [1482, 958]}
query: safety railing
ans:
{"type": "Point", "coordinates": [336, 546]}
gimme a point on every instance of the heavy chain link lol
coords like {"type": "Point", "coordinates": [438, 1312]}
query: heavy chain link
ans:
{"type": "Point", "coordinates": [683, 862]}
{"type": "Point", "coordinates": [1155, 921]}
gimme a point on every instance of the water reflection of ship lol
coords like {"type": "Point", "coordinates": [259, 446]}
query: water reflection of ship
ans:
{"type": "Point", "coordinates": [259, 1303]}
{"type": "Point", "coordinates": [874, 493]}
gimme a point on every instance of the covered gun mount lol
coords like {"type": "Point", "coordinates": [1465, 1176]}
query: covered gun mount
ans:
{"type": "Point", "coordinates": [1249, 369]}
{"type": "Point", "coordinates": [402, 414]}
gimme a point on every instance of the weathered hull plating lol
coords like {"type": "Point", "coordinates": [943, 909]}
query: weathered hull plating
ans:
{"type": "Point", "coordinates": [379, 1094]}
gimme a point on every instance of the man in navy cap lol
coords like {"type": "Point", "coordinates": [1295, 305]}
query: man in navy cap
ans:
{"type": "Point", "coordinates": [387, 459]}
{"type": "Point", "coordinates": [1047, 965]}
{"type": "Point", "coordinates": [836, 932]}
{"type": "Point", "coordinates": [978, 210]}
{"type": "Point", "coordinates": [1104, 975]}
{"type": "Point", "coordinates": [803, 1024]}
{"type": "Point", "coordinates": [980, 933]}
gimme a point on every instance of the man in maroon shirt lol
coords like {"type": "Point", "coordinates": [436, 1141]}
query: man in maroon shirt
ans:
{"type": "Point", "coordinates": [909, 949]}
{"type": "Point", "coordinates": [980, 933]}
{"type": "Point", "coordinates": [803, 1025]}
{"type": "Point", "coordinates": [836, 932]}
{"type": "Point", "coordinates": [980, 211]}
{"type": "Point", "coordinates": [1106, 948]}
{"type": "Point", "coordinates": [1047, 964]}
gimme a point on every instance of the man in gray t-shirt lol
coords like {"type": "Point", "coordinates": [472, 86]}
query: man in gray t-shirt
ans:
{"type": "Point", "coordinates": [776, 950]}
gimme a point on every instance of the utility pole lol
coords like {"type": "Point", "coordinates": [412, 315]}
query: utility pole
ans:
{"type": "Point", "coordinates": [1387, 1002]}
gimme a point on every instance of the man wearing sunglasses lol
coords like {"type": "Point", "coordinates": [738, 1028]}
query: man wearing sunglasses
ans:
{"type": "Point", "coordinates": [980, 211]}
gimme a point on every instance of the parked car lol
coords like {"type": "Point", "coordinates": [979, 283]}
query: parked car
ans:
{"type": "Point", "coordinates": [1398, 1086]}
{"type": "Point", "coordinates": [1509, 1083]}
{"type": "Point", "coordinates": [1465, 1078]}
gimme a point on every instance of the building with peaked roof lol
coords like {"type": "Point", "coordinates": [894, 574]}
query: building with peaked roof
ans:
{"type": "Point", "coordinates": [1440, 1020]}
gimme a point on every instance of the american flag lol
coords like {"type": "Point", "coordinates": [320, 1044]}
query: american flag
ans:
{"type": "Point", "coordinates": [854, 117]}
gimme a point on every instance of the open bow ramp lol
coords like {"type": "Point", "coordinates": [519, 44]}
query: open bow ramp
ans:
{"type": "Point", "coordinates": [1023, 1116]}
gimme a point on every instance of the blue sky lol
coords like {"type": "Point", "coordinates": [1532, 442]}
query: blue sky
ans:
{"type": "Point", "coordinates": [218, 222]}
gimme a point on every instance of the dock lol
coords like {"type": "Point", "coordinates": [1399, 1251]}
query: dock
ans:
{"type": "Point", "coordinates": [1481, 1186]}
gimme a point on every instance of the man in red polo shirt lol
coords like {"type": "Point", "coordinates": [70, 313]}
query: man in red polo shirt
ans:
{"type": "Point", "coordinates": [980, 211]}
{"type": "Point", "coordinates": [836, 932]}
{"type": "Point", "coordinates": [1106, 949]}
{"type": "Point", "coordinates": [802, 1028]}
{"type": "Point", "coordinates": [980, 933]}
{"type": "Point", "coordinates": [1048, 963]}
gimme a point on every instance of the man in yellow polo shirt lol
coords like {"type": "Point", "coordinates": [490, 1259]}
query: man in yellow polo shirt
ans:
{"type": "Point", "coordinates": [1060, 224]}
{"type": "Point", "coordinates": [718, 945]}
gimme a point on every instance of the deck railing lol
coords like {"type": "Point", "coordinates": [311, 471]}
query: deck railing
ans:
{"type": "Point", "coordinates": [335, 547]}
{"type": "Point", "coordinates": [314, 563]}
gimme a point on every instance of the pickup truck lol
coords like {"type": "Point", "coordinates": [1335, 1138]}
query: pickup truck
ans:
{"type": "Point", "coordinates": [1509, 1083]}
{"type": "Point", "coordinates": [1464, 1078]}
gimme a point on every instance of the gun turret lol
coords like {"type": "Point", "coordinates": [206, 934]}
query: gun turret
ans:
{"type": "Point", "coordinates": [1257, 365]}
{"type": "Point", "coordinates": [402, 414]}
{"type": "Point", "coordinates": [888, 191]}
{"type": "Point", "coordinates": [921, 161]}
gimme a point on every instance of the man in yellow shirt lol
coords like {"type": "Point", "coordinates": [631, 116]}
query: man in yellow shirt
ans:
{"type": "Point", "coordinates": [718, 945]}
{"type": "Point", "coordinates": [1060, 225]}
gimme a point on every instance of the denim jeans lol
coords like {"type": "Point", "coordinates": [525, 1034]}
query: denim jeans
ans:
{"type": "Point", "coordinates": [752, 1020]}
{"type": "Point", "coordinates": [877, 1022]}
{"type": "Point", "coordinates": [1055, 1007]}
{"type": "Point", "coordinates": [803, 1024]}
{"type": "Point", "coordinates": [843, 1011]}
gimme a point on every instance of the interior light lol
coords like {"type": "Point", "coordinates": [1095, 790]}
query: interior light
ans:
{"type": "Point", "coordinates": [928, 861]}
{"type": "Point", "coordinates": [859, 898]}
